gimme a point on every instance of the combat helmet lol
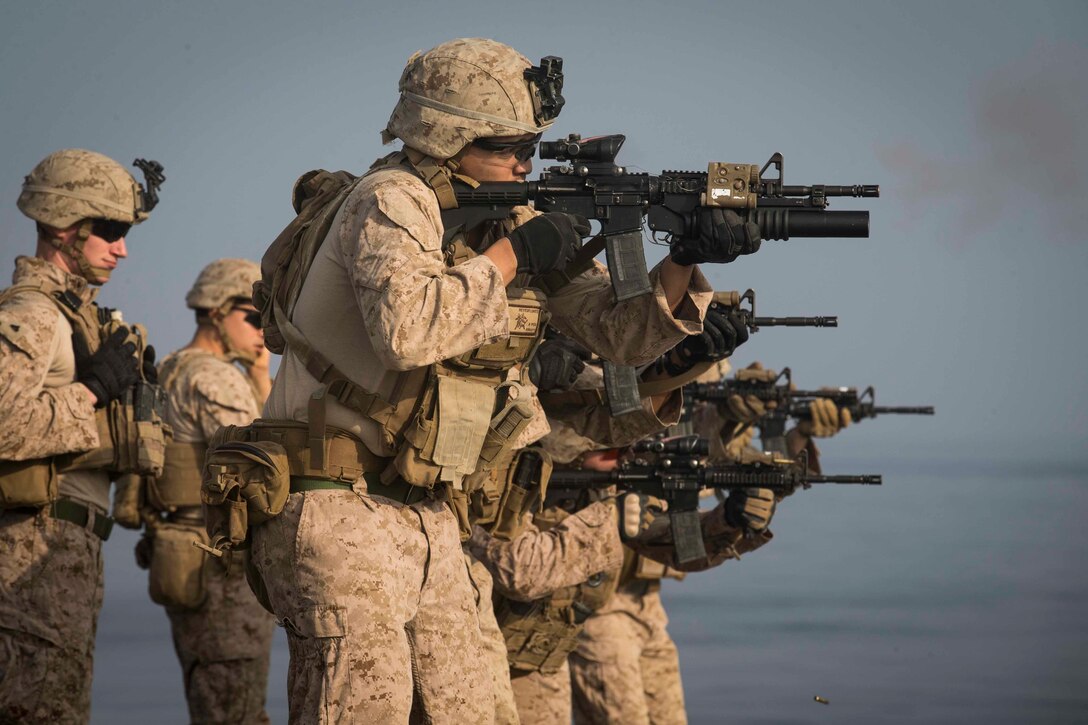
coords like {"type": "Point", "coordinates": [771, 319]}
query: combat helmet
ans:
{"type": "Point", "coordinates": [221, 285]}
{"type": "Point", "coordinates": [473, 88]}
{"type": "Point", "coordinates": [73, 185]}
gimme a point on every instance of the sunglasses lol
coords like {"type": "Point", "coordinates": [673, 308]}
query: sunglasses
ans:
{"type": "Point", "coordinates": [521, 150]}
{"type": "Point", "coordinates": [109, 229]}
{"type": "Point", "coordinates": [252, 317]}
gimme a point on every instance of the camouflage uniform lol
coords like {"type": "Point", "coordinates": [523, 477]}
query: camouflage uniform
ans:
{"type": "Point", "coordinates": [51, 569]}
{"type": "Point", "coordinates": [224, 644]}
{"type": "Point", "coordinates": [626, 667]}
{"type": "Point", "coordinates": [574, 548]}
{"type": "Point", "coordinates": [51, 572]}
{"type": "Point", "coordinates": [374, 594]}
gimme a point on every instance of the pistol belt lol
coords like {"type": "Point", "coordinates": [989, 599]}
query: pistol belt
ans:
{"type": "Point", "coordinates": [399, 491]}
{"type": "Point", "coordinates": [344, 459]}
{"type": "Point", "coordinates": [73, 512]}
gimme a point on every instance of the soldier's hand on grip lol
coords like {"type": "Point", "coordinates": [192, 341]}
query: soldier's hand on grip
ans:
{"type": "Point", "coordinates": [111, 370]}
{"type": "Point", "coordinates": [748, 409]}
{"type": "Point", "coordinates": [750, 509]}
{"type": "Point", "coordinates": [637, 512]}
{"type": "Point", "coordinates": [827, 419]}
{"type": "Point", "coordinates": [723, 332]}
{"type": "Point", "coordinates": [720, 236]}
{"type": "Point", "coordinates": [557, 364]}
{"type": "Point", "coordinates": [548, 242]}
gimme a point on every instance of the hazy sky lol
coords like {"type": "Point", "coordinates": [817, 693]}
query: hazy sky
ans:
{"type": "Point", "coordinates": [971, 117]}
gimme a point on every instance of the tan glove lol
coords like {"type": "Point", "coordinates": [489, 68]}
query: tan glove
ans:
{"type": "Point", "coordinates": [750, 509]}
{"type": "Point", "coordinates": [735, 446]}
{"type": "Point", "coordinates": [637, 512]}
{"type": "Point", "coordinates": [827, 419]}
{"type": "Point", "coordinates": [749, 409]}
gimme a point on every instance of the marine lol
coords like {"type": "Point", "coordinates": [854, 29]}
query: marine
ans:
{"type": "Point", "coordinates": [70, 372]}
{"type": "Point", "coordinates": [566, 563]}
{"type": "Point", "coordinates": [221, 633]}
{"type": "Point", "coordinates": [406, 346]}
{"type": "Point", "coordinates": [626, 667]}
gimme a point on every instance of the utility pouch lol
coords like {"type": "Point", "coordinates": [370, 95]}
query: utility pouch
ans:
{"type": "Point", "coordinates": [178, 574]}
{"type": "Point", "coordinates": [245, 484]}
{"type": "Point", "coordinates": [140, 435]}
{"type": "Point", "coordinates": [27, 483]}
{"type": "Point", "coordinates": [507, 424]}
{"type": "Point", "coordinates": [444, 441]}
{"type": "Point", "coordinates": [525, 487]}
{"type": "Point", "coordinates": [648, 569]}
{"type": "Point", "coordinates": [459, 503]}
{"type": "Point", "coordinates": [131, 433]}
{"type": "Point", "coordinates": [180, 482]}
{"type": "Point", "coordinates": [128, 499]}
{"type": "Point", "coordinates": [540, 635]}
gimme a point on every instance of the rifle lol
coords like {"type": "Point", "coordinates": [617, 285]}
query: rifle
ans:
{"type": "Point", "coordinates": [791, 403]}
{"type": "Point", "coordinates": [678, 478]}
{"type": "Point", "coordinates": [621, 382]}
{"type": "Point", "coordinates": [592, 185]}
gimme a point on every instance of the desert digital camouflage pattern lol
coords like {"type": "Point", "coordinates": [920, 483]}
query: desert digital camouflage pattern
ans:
{"type": "Point", "coordinates": [383, 271]}
{"type": "Point", "coordinates": [537, 563]}
{"type": "Point", "coordinates": [460, 91]}
{"type": "Point", "coordinates": [46, 411]}
{"type": "Point", "coordinates": [51, 570]}
{"type": "Point", "coordinates": [376, 602]}
{"type": "Point", "coordinates": [543, 699]}
{"type": "Point", "coordinates": [493, 645]}
{"type": "Point", "coordinates": [50, 596]}
{"type": "Point", "coordinates": [577, 429]}
{"type": "Point", "coordinates": [224, 648]}
{"type": "Point", "coordinates": [204, 392]}
{"type": "Point", "coordinates": [222, 281]}
{"type": "Point", "coordinates": [70, 185]}
{"type": "Point", "coordinates": [224, 645]}
{"type": "Point", "coordinates": [626, 668]}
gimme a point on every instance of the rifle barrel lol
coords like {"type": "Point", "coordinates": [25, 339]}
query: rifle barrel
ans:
{"type": "Point", "coordinates": [822, 321]}
{"type": "Point", "coordinates": [856, 190]}
{"type": "Point", "coordinates": [902, 410]}
{"type": "Point", "coordinates": [864, 480]}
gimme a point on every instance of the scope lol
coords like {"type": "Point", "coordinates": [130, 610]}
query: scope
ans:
{"type": "Point", "coordinates": [574, 147]}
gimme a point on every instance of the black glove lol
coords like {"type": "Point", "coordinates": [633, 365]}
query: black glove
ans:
{"type": "Point", "coordinates": [151, 375]}
{"type": "Point", "coordinates": [557, 364]}
{"type": "Point", "coordinates": [750, 509]}
{"type": "Point", "coordinates": [548, 242]}
{"type": "Point", "coordinates": [110, 371]}
{"type": "Point", "coordinates": [723, 332]}
{"type": "Point", "coordinates": [720, 236]}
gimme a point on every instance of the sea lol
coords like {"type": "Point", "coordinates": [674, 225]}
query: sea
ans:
{"type": "Point", "coordinates": [956, 592]}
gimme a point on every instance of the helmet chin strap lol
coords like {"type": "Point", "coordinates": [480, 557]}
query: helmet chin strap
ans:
{"type": "Point", "coordinates": [233, 353]}
{"type": "Point", "coordinates": [94, 275]}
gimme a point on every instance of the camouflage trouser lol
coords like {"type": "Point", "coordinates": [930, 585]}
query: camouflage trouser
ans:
{"type": "Point", "coordinates": [380, 617]}
{"type": "Point", "coordinates": [224, 648]}
{"type": "Point", "coordinates": [493, 643]}
{"type": "Point", "coordinates": [543, 699]}
{"type": "Point", "coordinates": [50, 595]}
{"type": "Point", "coordinates": [626, 668]}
